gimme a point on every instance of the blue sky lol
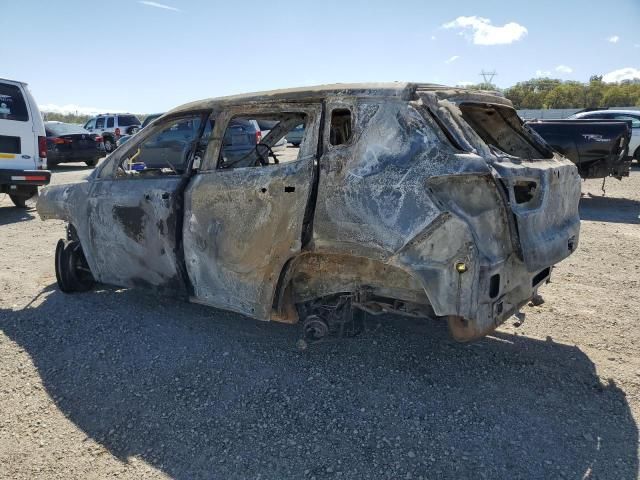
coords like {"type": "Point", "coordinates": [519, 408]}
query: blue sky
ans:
{"type": "Point", "coordinates": [145, 56]}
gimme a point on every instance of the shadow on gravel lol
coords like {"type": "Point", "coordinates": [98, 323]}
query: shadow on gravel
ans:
{"type": "Point", "coordinates": [10, 214]}
{"type": "Point", "coordinates": [610, 209]}
{"type": "Point", "coordinates": [200, 393]}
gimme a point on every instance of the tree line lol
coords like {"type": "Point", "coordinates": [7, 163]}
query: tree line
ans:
{"type": "Point", "coordinates": [537, 93]}
{"type": "Point", "coordinates": [542, 93]}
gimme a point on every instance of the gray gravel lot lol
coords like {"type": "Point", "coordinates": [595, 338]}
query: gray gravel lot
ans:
{"type": "Point", "coordinates": [120, 383]}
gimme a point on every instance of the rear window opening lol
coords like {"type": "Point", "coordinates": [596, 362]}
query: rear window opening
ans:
{"type": "Point", "coordinates": [340, 132]}
{"type": "Point", "coordinates": [501, 128]}
{"type": "Point", "coordinates": [12, 104]}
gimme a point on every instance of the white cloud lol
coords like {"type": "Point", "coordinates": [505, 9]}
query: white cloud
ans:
{"type": "Point", "coordinates": [77, 109]}
{"type": "Point", "coordinates": [613, 39]}
{"type": "Point", "coordinates": [158, 5]}
{"type": "Point", "coordinates": [452, 59]}
{"type": "Point", "coordinates": [433, 37]}
{"type": "Point", "coordinates": [486, 34]}
{"type": "Point", "coordinates": [628, 73]}
{"type": "Point", "coordinates": [564, 69]}
{"type": "Point", "coordinates": [543, 73]}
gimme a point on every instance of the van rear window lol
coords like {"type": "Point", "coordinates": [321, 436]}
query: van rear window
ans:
{"type": "Point", "coordinates": [12, 104]}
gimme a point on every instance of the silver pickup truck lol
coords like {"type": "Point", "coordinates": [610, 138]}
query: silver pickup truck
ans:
{"type": "Point", "coordinates": [415, 199]}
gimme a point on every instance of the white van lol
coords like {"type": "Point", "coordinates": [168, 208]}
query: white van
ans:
{"type": "Point", "coordinates": [23, 144]}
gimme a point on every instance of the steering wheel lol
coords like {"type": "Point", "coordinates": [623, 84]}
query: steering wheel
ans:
{"type": "Point", "coordinates": [262, 159]}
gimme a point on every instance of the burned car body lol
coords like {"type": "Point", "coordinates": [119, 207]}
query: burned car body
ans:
{"type": "Point", "coordinates": [410, 198]}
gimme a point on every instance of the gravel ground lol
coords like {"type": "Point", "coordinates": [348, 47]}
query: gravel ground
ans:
{"type": "Point", "coordinates": [117, 383]}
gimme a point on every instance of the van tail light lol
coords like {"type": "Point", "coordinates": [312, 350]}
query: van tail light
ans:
{"type": "Point", "coordinates": [258, 136]}
{"type": "Point", "coordinates": [117, 132]}
{"type": "Point", "coordinates": [98, 139]}
{"type": "Point", "coordinates": [42, 147]}
{"type": "Point", "coordinates": [61, 141]}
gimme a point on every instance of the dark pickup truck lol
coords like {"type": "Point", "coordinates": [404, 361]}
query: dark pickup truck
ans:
{"type": "Point", "coordinates": [598, 148]}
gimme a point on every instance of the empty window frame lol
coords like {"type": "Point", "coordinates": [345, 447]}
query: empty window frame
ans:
{"type": "Point", "coordinates": [262, 140]}
{"type": "Point", "coordinates": [500, 127]}
{"type": "Point", "coordinates": [340, 130]}
{"type": "Point", "coordinates": [167, 151]}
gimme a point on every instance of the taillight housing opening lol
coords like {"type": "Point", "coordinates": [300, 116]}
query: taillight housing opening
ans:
{"type": "Point", "coordinates": [258, 136]}
{"type": "Point", "coordinates": [42, 147]}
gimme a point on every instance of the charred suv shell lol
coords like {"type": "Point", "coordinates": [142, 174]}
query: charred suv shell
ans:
{"type": "Point", "coordinates": [409, 198]}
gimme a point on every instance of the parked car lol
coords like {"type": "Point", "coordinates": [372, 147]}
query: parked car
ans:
{"type": "Point", "coordinates": [110, 126]}
{"type": "Point", "coordinates": [70, 143]}
{"type": "Point", "coordinates": [23, 147]}
{"type": "Point", "coordinates": [150, 118]}
{"type": "Point", "coordinates": [632, 115]}
{"type": "Point", "coordinates": [294, 137]}
{"type": "Point", "coordinates": [416, 199]}
{"type": "Point", "coordinates": [598, 147]}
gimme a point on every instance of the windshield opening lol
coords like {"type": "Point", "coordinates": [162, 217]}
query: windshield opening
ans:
{"type": "Point", "coordinates": [500, 127]}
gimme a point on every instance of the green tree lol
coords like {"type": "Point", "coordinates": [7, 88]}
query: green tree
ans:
{"type": "Point", "coordinates": [540, 93]}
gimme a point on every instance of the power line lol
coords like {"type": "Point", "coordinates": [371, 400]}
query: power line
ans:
{"type": "Point", "coordinates": [488, 76]}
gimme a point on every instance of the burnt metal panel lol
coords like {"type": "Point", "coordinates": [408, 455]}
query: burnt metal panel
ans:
{"type": "Point", "coordinates": [243, 224]}
{"type": "Point", "coordinates": [132, 232]}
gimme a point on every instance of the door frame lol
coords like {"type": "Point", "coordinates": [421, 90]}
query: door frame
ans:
{"type": "Point", "coordinates": [261, 305]}
{"type": "Point", "coordinates": [107, 173]}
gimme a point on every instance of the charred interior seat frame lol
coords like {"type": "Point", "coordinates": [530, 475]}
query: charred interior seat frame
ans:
{"type": "Point", "coordinates": [395, 201]}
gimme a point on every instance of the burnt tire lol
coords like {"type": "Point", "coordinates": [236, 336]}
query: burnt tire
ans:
{"type": "Point", "coordinates": [60, 267]}
{"type": "Point", "coordinates": [72, 272]}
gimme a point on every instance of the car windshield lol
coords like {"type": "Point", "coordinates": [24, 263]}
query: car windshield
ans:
{"type": "Point", "coordinates": [65, 129]}
{"type": "Point", "coordinates": [128, 120]}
